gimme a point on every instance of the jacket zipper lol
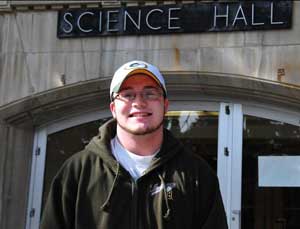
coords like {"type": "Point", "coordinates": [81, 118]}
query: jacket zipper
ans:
{"type": "Point", "coordinates": [134, 204]}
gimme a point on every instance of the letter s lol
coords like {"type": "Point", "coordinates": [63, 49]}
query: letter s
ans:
{"type": "Point", "coordinates": [68, 22]}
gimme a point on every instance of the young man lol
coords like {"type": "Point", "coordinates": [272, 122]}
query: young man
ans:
{"type": "Point", "coordinates": [135, 174]}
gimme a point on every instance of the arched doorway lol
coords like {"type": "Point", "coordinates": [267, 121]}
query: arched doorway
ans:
{"type": "Point", "coordinates": [213, 119]}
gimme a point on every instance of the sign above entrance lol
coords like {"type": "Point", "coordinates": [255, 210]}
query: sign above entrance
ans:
{"type": "Point", "coordinates": [175, 18]}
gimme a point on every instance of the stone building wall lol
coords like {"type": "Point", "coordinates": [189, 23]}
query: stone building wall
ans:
{"type": "Point", "coordinates": [33, 59]}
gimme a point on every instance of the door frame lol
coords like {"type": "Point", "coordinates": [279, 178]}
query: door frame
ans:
{"type": "Point", "coordinates": [229, 160]}
{"type": "Point", "coordinates": [230, 136]}
{"type": "Point", "coordinates": [39, 160]}
{"type": "Point", "coordinates": [230, 129]}
{"type": "Point", "coordinates": [40, 146]}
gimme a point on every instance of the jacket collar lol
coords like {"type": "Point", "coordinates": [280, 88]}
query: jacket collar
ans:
{"type": "Point", "coordinates": [100, 144]}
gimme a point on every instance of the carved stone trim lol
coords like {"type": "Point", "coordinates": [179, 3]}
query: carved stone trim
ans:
{"type": "Point", "coordinates": [91, 95]}
{"type": "Point", "coordinates": [15, 5]}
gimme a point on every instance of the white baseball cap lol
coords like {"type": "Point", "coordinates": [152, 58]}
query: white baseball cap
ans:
{"type": "Point", "coordinates": [134, 67]}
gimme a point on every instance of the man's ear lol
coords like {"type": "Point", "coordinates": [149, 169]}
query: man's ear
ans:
{"type": "Point", "coordinates": [166, 105]}
{"type": "Point", "coordinates": [112, 109]}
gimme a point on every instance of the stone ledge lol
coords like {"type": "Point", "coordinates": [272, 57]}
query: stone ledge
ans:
{"type": "Point", "coordinates": [13, 5]}
{"type": "Point", "coordinates": [51, 105]}
{"type": "Point", "coordinates": [38, 5]}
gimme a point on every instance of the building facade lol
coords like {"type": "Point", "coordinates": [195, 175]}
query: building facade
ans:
{"type": "Point", "coordinates": [233, 83]}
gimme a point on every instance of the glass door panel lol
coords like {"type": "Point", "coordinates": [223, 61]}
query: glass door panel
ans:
{"type": "Point", "coordinates": [268, 206]}
{"type": "Point", "coordinates": [197, 129]}
{"type": "Point", "coordinates": [62, 145]}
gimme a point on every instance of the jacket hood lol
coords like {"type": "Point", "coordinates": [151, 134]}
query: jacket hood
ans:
{"type": "Point", "coordinates": [100, 145]}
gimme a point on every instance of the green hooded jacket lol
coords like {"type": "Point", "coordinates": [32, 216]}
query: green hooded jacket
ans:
{"type": "Point", "coordinates": [92, 190]}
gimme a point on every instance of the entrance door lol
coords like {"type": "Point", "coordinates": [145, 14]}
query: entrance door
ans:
{"type": "Point", "coordinates": [271, 172]}
{"type": "Point", "coordinates": [255, 153]}
{"type": "Point", "coordinates": [261, 167]}
{"type": "Point", "coordinates": [197, 129]}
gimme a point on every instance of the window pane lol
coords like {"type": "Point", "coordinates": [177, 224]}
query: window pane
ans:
{"type": "Point", "coordinates": [62, 145]}
{"type": "Point", "coordinates": [197, 130]}
{"type": "Point", "coordinates": [268, 207]}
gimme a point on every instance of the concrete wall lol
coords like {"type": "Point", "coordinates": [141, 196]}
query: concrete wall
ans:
{"type": "Point", "coordinates": [15, 161]}
{"type": "Point", "coordinates": [33, 60]}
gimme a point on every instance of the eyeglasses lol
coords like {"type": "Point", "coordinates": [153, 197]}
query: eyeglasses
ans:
{"type": "Point", "coordinates": [148, 94]}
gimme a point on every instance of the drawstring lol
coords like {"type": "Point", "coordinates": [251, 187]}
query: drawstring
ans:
{"type": "Point", "coordinates": [167, 214]}
{"type": "Point", "coordinates": [106, 204]}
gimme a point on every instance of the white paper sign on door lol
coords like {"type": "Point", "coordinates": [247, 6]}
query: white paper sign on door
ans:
{"type": "Point", "coordinates": [279, 171]}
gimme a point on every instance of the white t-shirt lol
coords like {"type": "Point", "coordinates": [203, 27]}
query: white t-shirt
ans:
{"type": "Point", "coordinates": [133, 163]}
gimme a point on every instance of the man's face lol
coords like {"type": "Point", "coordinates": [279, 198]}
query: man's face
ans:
{"type": "Point", "coordinates": [139, 116]}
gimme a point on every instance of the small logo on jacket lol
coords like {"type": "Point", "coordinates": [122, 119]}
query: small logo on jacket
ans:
{"type": "Point", "coordinates": [159, 187]}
